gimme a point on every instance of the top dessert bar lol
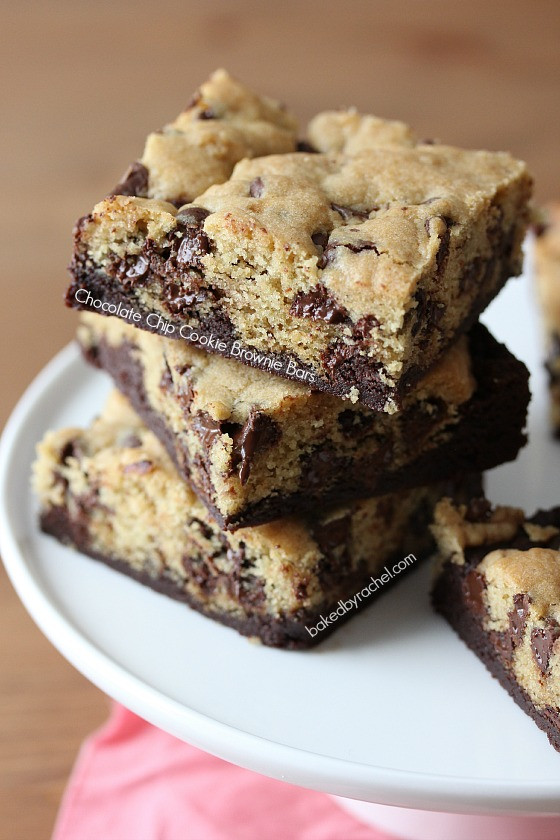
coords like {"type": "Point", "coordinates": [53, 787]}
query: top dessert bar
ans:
{"type": "Point", "coordinates": [350, 269]}
{"type": "Point", "coordinates": [499, 587]}
{"type": "Point", "coordinates": [547, 255]}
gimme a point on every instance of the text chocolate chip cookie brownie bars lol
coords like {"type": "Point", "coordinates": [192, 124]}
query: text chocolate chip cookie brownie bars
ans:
{"type": "Point", "coordinates": [350, 269]}
{"type": "Point", "coordinates": [354, 263]}
{"type": "Point", "coordinates": [499, 587]}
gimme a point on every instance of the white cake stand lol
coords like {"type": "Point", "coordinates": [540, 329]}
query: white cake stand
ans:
{"type": "Point", "coordinates": [391, 710]}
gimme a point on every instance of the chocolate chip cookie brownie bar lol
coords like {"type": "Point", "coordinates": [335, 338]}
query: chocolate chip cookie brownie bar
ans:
{"type": "Point", "coordinates": [547, 257]}
{"type": "Point", "coordinates": [256, 447]}
{"type": "Point", "coordinates": [112, 492]}
{"type": "Point", "coordinates": [499, 588]}
{"type": "Point", "coordinates": [350, 270]}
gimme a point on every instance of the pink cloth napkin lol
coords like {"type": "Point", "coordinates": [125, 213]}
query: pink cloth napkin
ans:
{"type": "Point", "coordinates": [134, 782]}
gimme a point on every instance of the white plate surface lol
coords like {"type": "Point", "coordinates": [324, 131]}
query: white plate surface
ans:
{"type": "Point", "coordinates": [391, 709]}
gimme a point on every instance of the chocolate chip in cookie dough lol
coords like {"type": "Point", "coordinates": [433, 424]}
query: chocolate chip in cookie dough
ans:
{"type": "Point", "coordinates": [134, 182]}
{"type": "Point", "coordinates": [194, 242]}
{"type": "Point", "coordinates": [257, 433]}
{"type": "Point", "coordinates": [542, 643]}
{"type": "Point", "coordinates": [320, 239]}
{"type": "Point", "coordinates": [362, 245]}
{"type": "Point", "coordinates": [319, 305]}
{"type": "Point", "coordinates": [473, 590]}
{"type": "Point", "coordinates": [207, 428]}
{"type": "Point", "coordinates": [304, 146]}
{"type": "Point", "coordinates": [444, 238]}
{"type": "Point", "coordinates": [191, 216]}
{"type": "Point", "coordinates": [333, 539]}
{"type": "Point", "coordinates": [517, 620]}
{"type": "Point", "coordinates": [139, 268]}
{"type": "Point", "coordinates": [356, 247]}
{"type": "Point", "coordinates": [333, 535]}
{"type": "Point", "coordinates": [428, 312]}
{"type": "Point", "coordinates": [351, 212]}
{"type": "Point", "coordinates": [256, 187]}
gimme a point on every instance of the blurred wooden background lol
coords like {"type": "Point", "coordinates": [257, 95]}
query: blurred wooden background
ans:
{"type": "Point", "coordinates": [85, 82]}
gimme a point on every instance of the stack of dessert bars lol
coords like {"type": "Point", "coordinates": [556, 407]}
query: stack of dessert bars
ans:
{"type": "Point", "coordinates": [292, 329]}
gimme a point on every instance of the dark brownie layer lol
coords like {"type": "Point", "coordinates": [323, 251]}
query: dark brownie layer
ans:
{"type": "Point", "coordinates": [346, 366]}
{"type": "Point", "coordinates": [454, 598]}
{"type": "Point", "coordinates": [489, 433]}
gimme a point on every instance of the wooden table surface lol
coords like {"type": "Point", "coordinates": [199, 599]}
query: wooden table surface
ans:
{"type": "Point", "coordinates": [85, 82]}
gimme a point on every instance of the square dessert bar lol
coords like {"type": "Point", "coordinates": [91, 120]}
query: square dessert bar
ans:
{"type": "Point", "coordinates": [256, 447]}
{"type": "Point", "coordinates": [112, 492]}
{"type": "Point", "coordinates": [547, 258]}
{"type": "Point", "coordinates": [499, 588]}
{"type": "Point", "coordinates": [349, 269]}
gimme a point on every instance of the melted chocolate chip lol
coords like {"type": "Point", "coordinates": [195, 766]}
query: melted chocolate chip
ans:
{"type": "Point", "coordinates": [257, 433]}
{"type": "Point", "coordinates": [327, 257]}
{"type": "Point", "coordinates": [517, 620]}
{"type": "Point", "coordinates": [185, 390]}
{"type": "Point", "coordinates": [474, 586]}
{"type": "Point", "coordinates": [139, 268]}
{"type": "Point", "coordinates": [478, 510]}
{"type": "Point", "coordinates": [134, 181]}
{"type": "Point", "coordinates": [201, 571]}
{"type": "Point", "coordinates": [204, 529]}
{"type": "Point", "coordinates": [361, 330]}
{"type": "Point", "coordinates": [428, 313]}
{"type": "Point", "coordinates": [362, 245]}
{"type": "Point", "coordinates": [192, 216]}
{"type": "Point", "coordinates": [320, 239]}
{"type": "Point", "coordinates": [194, 243]}
{"type": "Point", "coordinates": [140, 467]}
{"type": "Point", "coordinates": [333, 535]}
{"type": "Point", "coordinates": [444, 238]}
{"type": "Point", "coordinates": [319, 305]}
{"type": "Point", "coordinates": [542, 644]}
{"type": "Point", "coordinates": [178, 298]}
{"type": "Point", "coordinates": [304, 146]}
{"type": "Point", "coordinates": [245, 588]}
{"type": "Point", "coordinates": [351, 212]}
{"type": "Point", "coordinates": [207, 428]}
{"type": "Point", "coordinates": [256, 187]}
{"type": "Point", "coordinates": [356, 247]}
